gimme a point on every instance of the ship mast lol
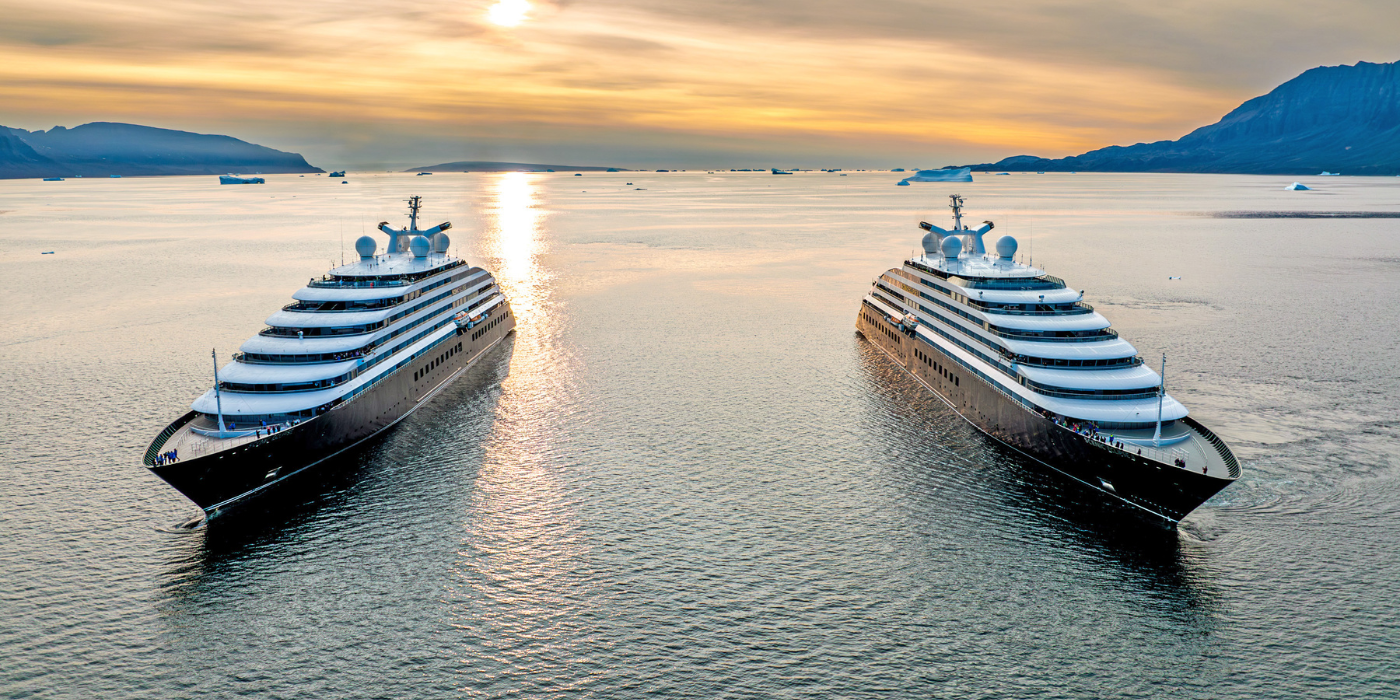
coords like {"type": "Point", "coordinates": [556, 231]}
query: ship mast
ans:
{"type": "Point", "coordinates": [218, 399]}
{"type": "Point", "coordinates": [1161, 395]}
{"type": "Point", "coordinates": [956, 206]}
{"type": "Point", "coordinates": [413, 203]}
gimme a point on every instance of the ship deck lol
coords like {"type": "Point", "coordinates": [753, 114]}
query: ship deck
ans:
{"type": "Point", "coordinates": [190, 444]}
{"type": "Point", "coordinates": [1196, 448]}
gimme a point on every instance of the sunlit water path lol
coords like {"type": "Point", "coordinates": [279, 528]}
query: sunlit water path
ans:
{"type": "Point", "coordinates": [686, 475]}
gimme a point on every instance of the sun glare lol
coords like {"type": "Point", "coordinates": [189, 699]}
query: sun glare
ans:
{"type": "Point", "coordinates": [509, 13]}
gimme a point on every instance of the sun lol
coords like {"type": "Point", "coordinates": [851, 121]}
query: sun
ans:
{"type": "Point", "coordinates": [509, 13]}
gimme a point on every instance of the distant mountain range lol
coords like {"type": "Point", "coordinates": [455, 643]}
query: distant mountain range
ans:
{"type": "Point", "coordinates": [101, 149]}
{"type": "Point", "coordinates": [490, 166]}
{"type": "Point", "coordinates": [1338, 118]}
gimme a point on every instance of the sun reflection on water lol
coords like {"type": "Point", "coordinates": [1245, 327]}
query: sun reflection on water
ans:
{"type": "Point", "coordinates": [520, 572]}
{"type": "Point", "coordinates": [513, 239]}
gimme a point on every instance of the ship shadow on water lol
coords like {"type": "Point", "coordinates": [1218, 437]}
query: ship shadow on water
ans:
{"type": "Point", "coordinates": [1046, 509]}
{"type": "Point", "coordinates": [364, 482]}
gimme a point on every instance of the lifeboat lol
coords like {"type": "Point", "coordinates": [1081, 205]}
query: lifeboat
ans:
{"type": "Point", "coordinates": [463, 320]}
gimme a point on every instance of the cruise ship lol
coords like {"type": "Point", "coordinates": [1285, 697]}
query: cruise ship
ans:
{"type": "Point", "coordinates": [1018, 354]}
{"type": "Point", "coordinates": [358, 349]}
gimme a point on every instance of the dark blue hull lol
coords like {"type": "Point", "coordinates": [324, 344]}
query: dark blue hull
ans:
{"type": "Point", "coordinates": [230, 477]}
{"type": "Point", "coordinates": [1164, 490]}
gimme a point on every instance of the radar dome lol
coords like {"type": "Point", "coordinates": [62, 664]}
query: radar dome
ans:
{"type": "Point", "coordinates": [952, 247]}
{"type": "Point", "coordinates": [420, 246]}
{"type": "Point", "coordinates": [440, 242]}
{"type": "Point", "coordinates": [931, 243]}
{"type": "Point", "coordinates": [365, 246]}
{"type": "Point", "coordinates": [1006, 247]}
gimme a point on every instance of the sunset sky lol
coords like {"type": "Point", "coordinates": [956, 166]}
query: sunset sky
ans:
{"type": "Point", "coordinates": [687, 82]}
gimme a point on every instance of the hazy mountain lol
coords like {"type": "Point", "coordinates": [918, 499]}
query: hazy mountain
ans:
{"type": "Point", "coordinates": [487, 166]}
{"type": "Point", "coordinates": [104, 148]}
{"type": "Point", "coordinates": [1337, 118]}
{"type": "Point", "coordinates": [19, 159]}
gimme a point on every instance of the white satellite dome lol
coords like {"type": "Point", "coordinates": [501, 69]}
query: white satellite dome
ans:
{"type": "Point", "coordinates": [440, 242]}
{"type": "Point", "coordinates": [420, 246]}
{"type": "Point", "coordinates": [1006, 247]}
{"type": "Point", "coordinates": [930, 243]}
{"type": "Point", "coordinates": [365, 246]}
{"type": "Point", "coordinates": [952, 247]}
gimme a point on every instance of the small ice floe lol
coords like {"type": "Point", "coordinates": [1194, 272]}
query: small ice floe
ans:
{"type": "Point", "coordinates": [1173, 278]}
{"type": "Point", "coordinates": [903, 183]}
{"type": "Point", "coordinates": [47, 252]}
{"type": "Point", "coordinates": [53, 179]}
{"type": "Point", "coordinates": [235, 180]}
{"type": "Point", "coordinates": [1297, 186]}
{"type": "Point", "coordinates": [1327, 173]}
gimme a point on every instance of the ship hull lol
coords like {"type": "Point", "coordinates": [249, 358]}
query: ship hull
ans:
{"type": "Point", "coordinates": [223, 480]}
{"type": "Point", "coordinates": [1163, 490]}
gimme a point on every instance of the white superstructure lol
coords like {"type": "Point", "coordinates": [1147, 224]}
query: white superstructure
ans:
{"type": "Point", "coordinates": [1027, 334]}
{"type": "Point", "coordinates": [351, 327]}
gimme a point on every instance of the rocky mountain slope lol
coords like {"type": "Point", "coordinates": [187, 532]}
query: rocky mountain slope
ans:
{"type": "Point", "coordinates": [1338, 118]}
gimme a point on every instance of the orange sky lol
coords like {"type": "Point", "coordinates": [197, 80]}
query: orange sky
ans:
{"type": "Point", "coordinates": [699, 82]}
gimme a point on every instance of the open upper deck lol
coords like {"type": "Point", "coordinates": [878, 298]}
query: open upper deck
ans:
{"type": "Point", "coordinates": [1197, 448]}
{"type": "Point", "coordinates": [979, 267]}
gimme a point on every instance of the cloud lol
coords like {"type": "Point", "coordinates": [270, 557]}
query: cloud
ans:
{"type": "Point", "coordinates": [949, 80]}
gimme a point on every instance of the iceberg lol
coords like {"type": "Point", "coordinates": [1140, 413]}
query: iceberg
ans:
{"type": "Point", "coordinates": [235, 180]}
{"type": "Point", "coordinates": [946, 175]}
{"type": "Point", "coordinates": [1297, 186]}
{"type": "Point", "coordinates": [903, 183]}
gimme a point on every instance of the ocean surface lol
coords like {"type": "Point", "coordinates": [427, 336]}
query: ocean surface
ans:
{"type": "Point", "coordinates": [686, 475]}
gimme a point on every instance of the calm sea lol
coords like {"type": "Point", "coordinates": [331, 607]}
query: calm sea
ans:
{"type": "Point", "coordinates": [687, 476]}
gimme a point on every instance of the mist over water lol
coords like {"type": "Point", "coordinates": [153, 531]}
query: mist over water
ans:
{"type": "Point", "coordinates": [686, 475]}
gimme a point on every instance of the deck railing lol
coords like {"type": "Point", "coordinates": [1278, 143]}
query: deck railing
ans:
{"type": "Point", "coordinates": [1231, 464]}
{"type": "Point", "coordinates": [349, 283]}
{"type": "Point", "coordinates": [1078, 308]}
{"type": "Point", "coordinates": [151, 452]}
